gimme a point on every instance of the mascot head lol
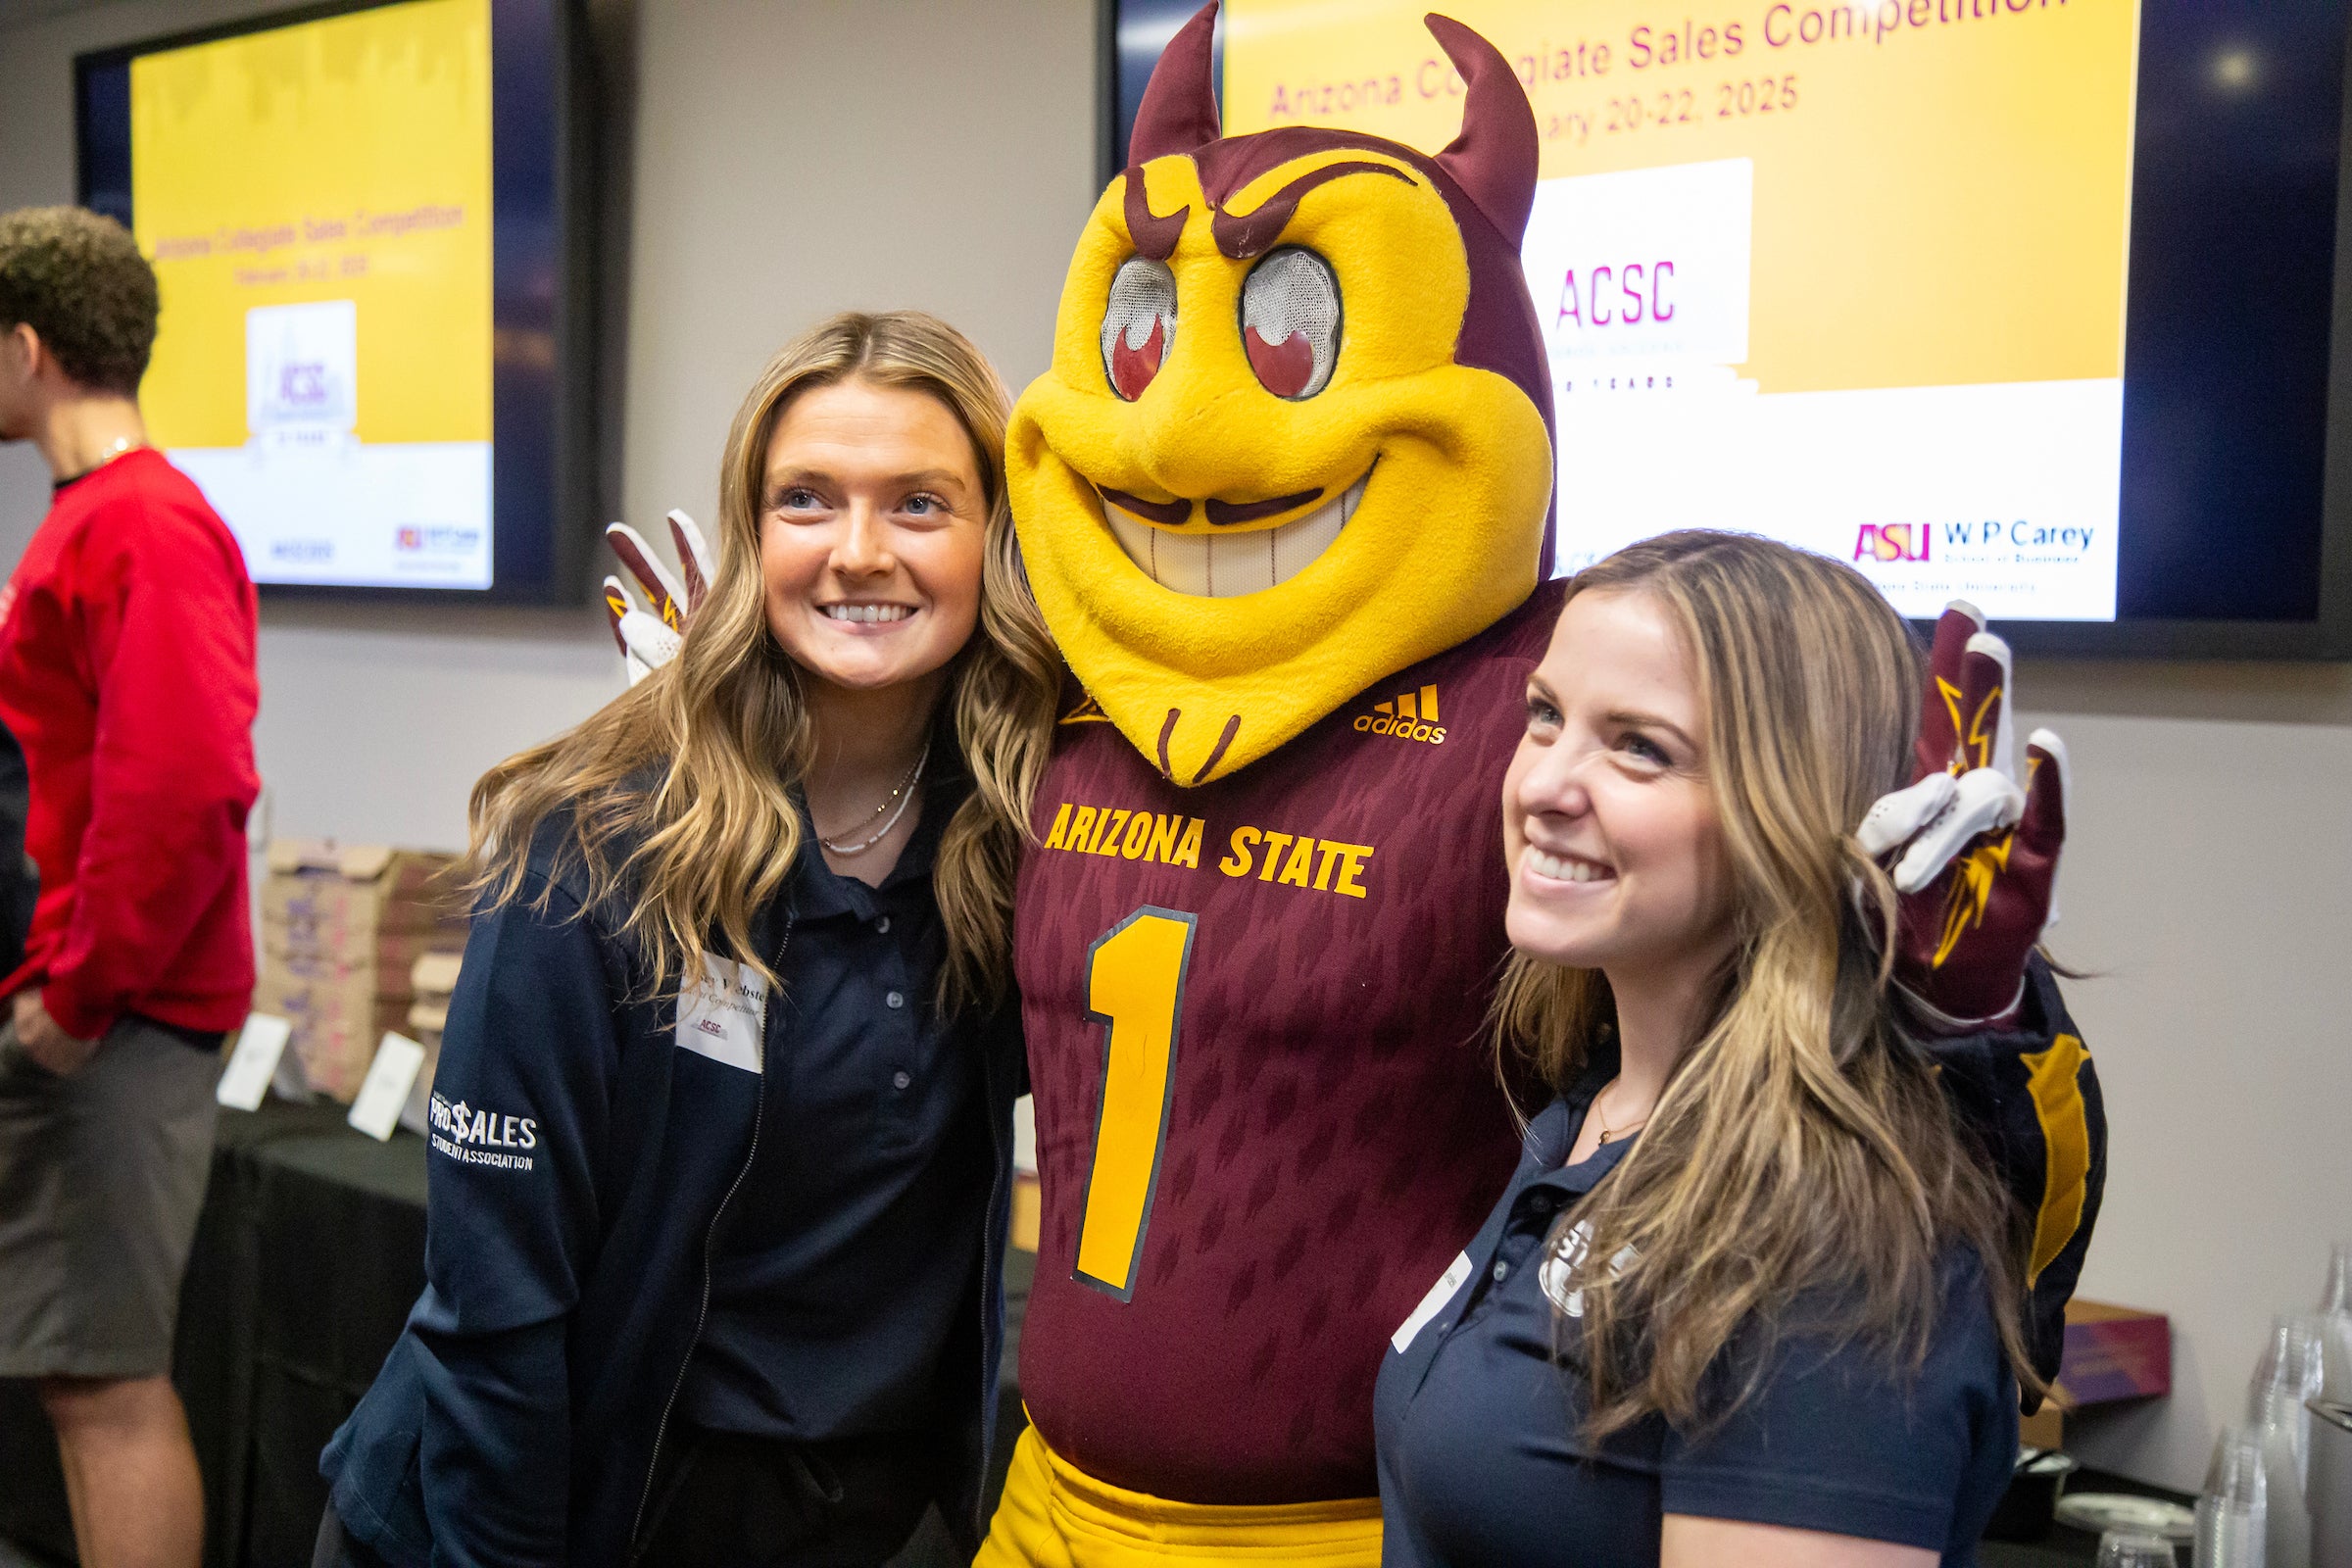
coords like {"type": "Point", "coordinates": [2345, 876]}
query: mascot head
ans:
{"type": "Point", "coordinates": [1296, 435]}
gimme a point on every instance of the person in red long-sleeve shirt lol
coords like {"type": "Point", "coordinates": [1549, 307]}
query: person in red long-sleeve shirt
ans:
{"type": "Point", "coordinates": [127, 674]}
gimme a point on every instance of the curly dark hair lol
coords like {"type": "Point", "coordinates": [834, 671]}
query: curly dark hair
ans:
{"type": "Point", "coordinates": [79, 280]}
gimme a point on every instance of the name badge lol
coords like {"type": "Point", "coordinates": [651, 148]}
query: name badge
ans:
{"type": "Point", "coordinates": [1456, 1272]}
{"type": "Point", "coordinates": [719, 1017]}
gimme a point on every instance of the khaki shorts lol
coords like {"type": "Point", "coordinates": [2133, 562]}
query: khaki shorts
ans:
{"type": "Point", "coordinates": [101, 1179]}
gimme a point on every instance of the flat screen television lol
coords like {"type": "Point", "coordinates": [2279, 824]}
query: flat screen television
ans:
{"type": "Point", "coordinates": [2039, 303]}
{"type": "Point", "coordinates": [369, 229]}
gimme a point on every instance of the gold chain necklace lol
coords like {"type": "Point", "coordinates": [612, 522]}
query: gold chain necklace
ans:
{"type": "Point", "coordinates": [1608, 1132]}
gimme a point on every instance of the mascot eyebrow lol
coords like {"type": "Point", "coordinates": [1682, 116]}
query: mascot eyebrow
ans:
{"type": "Point", "coordinates": [1239, 235]}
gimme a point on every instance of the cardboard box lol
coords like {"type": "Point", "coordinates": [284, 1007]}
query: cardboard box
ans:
{"type": "Point", "coordinates": [393, 952]}
{"type": "Point", "coordinates": [337, 1020]}
{"type": "Point", "coordinates": [356, 891]}
{"type": "Point", "coordinates": [2045, 1428]}
{"type": "Point", "coordinates": [434, 974]}
{"type": "Point", "coordinates": [2113, 1352]}
{"type": "Point", "coordinates": [343, 929]}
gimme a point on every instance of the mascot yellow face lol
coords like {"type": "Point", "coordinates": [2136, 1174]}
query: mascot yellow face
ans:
{"type": "Point", "coordinates": [1295, 436]}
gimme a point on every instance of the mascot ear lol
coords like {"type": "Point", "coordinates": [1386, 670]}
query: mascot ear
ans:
{"type": "Point", "coordinates": [1179, 111]}
{"type": "Point", "coordinates": [1494, 159]}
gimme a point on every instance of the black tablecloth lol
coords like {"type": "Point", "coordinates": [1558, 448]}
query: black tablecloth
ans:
{"type": "Point", "coordinates": [309, 1254]}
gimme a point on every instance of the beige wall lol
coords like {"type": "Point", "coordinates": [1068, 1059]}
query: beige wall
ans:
{"type": "Point", "coordinates": [785, 160]}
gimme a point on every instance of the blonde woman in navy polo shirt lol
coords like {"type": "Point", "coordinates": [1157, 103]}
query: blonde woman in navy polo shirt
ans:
{"type": "Point", "coordinates": [1749, 1299]}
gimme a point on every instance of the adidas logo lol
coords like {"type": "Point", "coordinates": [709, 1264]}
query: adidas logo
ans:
{"type": "Point", "coordinates": [1409, 716]}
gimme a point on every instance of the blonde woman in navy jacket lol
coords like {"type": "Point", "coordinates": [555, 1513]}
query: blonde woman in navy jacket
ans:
{"type": "Point", "coordinates": [721, 1124]}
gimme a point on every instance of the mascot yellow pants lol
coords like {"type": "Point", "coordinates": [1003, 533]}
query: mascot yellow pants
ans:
{"type": "Point", "coordinates": [1056, 1516]}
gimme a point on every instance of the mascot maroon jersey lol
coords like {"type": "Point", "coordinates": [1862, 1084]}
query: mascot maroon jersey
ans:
{"type": "Point", "coordinates": [1333, 920]}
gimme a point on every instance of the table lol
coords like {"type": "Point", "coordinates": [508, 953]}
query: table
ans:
{"type": "Point", "coordinates": [309, 1254]}
{"type": "Point", "coordinates": [2065, 1547]}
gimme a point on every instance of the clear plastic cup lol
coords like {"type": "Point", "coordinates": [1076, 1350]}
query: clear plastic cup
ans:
{"type": "Point", "coordinates": [2230, 1514]}
{"type": "Point", "coordinates": [2336, 1313]}
{"type": "Point", "coordinates": [2130, 1549]}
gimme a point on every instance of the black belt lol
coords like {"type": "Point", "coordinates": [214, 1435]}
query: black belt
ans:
{"type": "Point", "coordinates": [200, 1038]}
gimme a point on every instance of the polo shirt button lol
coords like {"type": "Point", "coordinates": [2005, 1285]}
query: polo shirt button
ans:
{"type": "Point", "coordinates": [1503, 1271]}
{"type": "Point", "coordinates": [882, 924]}
{"type": "Point", "coordinates": [900, 1080]}
{"type": "Point", "coordinates": [895, 1000]}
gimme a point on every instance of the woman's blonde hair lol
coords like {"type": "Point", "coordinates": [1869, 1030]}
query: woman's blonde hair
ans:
{"type": "Point", "coordinates": [681, 790]}
{"type": "Point", "coordinates": [1802, 1156]}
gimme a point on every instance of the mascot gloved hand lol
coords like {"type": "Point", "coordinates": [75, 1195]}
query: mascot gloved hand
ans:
{"type": "Point", "coordinates": [1978, 862]}
{"type": "Point", "coordinates": [649, 638]}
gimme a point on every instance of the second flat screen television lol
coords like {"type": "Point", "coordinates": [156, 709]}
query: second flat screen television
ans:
{"type": "Point", "coordinates": [2030, 301]}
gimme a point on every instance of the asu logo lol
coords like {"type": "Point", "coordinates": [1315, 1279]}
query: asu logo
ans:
{"type": "Point", "coordinates": [1891, 541]}
{"type": "Point", "coordinates": [1409, 715]}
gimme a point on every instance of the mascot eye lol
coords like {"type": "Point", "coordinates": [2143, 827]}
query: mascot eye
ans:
{"type": "Point", "coordinates": [1138, 326]}
{"type": "Point", "coordinates": [1291, 321]}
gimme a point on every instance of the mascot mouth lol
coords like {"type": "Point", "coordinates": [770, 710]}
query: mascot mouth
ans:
{"type": "Point", "coordinates": [1211, 566]}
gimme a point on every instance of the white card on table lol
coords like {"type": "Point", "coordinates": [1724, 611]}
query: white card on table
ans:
{"type": "Point", "coordinates": [252, 1061]}
{"type": "Point", "coordinates": [376, 1109]}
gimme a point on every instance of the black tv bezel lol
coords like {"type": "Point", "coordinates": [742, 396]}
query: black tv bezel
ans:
{"type": "Point", "coordinates": [2326, 637]}
{"type": "Point", "coordinates": [542, 290]}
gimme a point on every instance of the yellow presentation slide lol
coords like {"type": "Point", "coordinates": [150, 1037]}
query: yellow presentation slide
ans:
{"type": "Point", "coordinates": [316, 202]}
{"type": "Point", "coordinates": [1849, 275]}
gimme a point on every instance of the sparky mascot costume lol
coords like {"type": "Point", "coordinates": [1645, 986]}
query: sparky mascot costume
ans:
{"type": "Point", "coordinates": [1284, 500]}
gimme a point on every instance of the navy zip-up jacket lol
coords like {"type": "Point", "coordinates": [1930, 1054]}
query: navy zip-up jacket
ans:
{"type": "Point", "coordinates": [581, 1164]}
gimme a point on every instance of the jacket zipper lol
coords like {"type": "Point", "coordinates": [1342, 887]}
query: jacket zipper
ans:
{"type": "Point", "coordinates": [992, 1274]}
{"type": "Point", "coordinates": [709, 1240]}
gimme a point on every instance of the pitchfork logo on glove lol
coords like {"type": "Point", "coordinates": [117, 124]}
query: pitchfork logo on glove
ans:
{"type": "Point", "coordinates": [649, 639]}
{"type": "Point", "coordinates": [1979, 863]}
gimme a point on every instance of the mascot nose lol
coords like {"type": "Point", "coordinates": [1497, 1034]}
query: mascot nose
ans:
{"type": "Point", "coordinates": [1195, 447]}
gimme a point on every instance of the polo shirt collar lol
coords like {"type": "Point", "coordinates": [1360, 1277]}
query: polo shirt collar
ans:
{"type": "Point", "coordinates": [1553, 1131]}
{"type": "Point", "coordinates": [821, 892]}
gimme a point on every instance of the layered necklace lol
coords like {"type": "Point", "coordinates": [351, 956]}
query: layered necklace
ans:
{"type": "Point", "coordinates": [901, 796]}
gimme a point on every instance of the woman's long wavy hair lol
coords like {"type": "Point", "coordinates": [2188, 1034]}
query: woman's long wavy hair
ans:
{"type": "Point", "coordinates": [1803, 1152]}
{"type": "Point", "coordinates": [681, 792]}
